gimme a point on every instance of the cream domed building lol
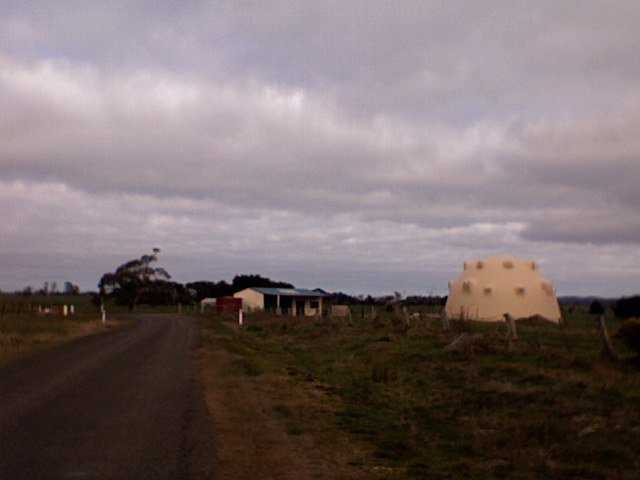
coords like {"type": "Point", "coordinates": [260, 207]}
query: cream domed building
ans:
{"type": "Point", "coordinates": [489, 288]}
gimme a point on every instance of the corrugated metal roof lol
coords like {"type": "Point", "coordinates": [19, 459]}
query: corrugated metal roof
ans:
{"type": "Point", "coordinates": [289, 292]}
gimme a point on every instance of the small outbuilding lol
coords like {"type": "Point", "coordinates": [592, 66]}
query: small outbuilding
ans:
{"type": "Point", "coordinates": [489, 288]}
{"type": "Point", "coordinates": [207, 303]}
{"type": "Point", "coordinates": [282, 301]}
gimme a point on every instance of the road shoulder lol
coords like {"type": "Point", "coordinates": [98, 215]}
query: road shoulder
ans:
{"type": "Point", "coordinates": [267, 424]}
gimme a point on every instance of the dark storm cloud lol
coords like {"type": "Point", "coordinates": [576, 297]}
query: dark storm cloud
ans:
{"type": "Point", "coordinates": [370, 132]}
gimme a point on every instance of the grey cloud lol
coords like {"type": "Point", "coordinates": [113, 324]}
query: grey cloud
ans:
{"type": "Point", "coordinates": [184, 137]}
{"type": "Point", "coordinates": [613, 226]}
{"type": "Point", "coordinates": [56, 226]}
{"type": "Point", "coordinates": [432, 59]}
{"type": "Point", "coordinates": [376, 129]}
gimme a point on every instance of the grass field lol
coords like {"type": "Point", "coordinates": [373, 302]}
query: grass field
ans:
{"type": "Point", "coordinates": [549, 408]}
{"type": "Point", "coordinates": [23, 330]}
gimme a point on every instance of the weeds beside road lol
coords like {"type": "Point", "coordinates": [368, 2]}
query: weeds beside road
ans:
{"type": "Point", "coordinates": [367, 399]}
{"type": "Point", "coordinates": [24, 331]}
{"type": "Point", "coordinates": [267, 424]}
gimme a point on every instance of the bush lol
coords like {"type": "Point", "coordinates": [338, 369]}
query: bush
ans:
{"type": "Point", "coordinates": [381, 373]}
{"type": "Point", "coordinates": [627, 307]}
{"type": "Point", "coordinates": [630, 334]}
{"type": "Point", "coordinates": [248, 366]}
{"type": "Point", "coordinates": [596, 308]}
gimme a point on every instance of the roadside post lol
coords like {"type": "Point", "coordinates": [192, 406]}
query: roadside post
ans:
{"type": "Point", "coordinates": [65, 310]}
{"type": "Point", "coordinates": [104, 314]}
{"type": "Point", "coordinates": [240, 317]}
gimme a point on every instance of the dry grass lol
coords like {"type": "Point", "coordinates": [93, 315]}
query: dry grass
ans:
{"type": "Point", "coordinates": [24, 334]}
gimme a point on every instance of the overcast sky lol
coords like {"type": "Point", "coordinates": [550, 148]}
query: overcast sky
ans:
{"type": "Point", "coordinates": [366, 146]}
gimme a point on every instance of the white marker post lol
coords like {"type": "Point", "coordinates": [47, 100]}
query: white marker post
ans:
{"type": "Point", "coordinates": [72, 309]}
{"type": "Point", "coordinates": [104, 314]}
{"type": "Point", "coordinates": [240, 319]}
{"type": "Point", "coordinates": [65, 310]}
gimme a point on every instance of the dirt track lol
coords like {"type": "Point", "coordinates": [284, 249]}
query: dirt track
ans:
{"type": "Point", "coordinates": [123, 405]}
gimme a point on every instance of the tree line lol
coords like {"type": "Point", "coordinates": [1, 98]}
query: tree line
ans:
{"type": "Point", "coordinates": [140, 281]}
{"type": "Point", "coordinates": [207, 289]}
{"type": "Point", "coordinates": [50, 288]}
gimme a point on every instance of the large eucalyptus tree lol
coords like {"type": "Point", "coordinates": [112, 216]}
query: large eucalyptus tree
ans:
{"type": "Point", "coordinates": [131, 280]}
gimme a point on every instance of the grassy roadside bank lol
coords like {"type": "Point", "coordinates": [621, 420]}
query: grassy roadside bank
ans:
{"type": "Point", "coordinates": [24, 331]}
{"type": "Point", "coordinates": [373, 400]}
{"type": "Point", "coordinates": [268, 423]}
{"type": "Point", "coordinates": [24, 337]}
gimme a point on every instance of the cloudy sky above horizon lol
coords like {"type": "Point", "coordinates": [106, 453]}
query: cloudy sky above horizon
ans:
{"type": "Point", "coordinates": [367, 146]}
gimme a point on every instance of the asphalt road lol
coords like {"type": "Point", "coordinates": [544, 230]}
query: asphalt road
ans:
{"type": "Point", "coordinates": [121, 405]}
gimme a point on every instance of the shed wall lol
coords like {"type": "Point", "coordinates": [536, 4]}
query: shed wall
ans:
{"type": "Point", "coordinates": [251, 299]}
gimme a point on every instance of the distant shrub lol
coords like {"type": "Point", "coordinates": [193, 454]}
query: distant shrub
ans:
{"type": "Point", "coordinates": [248, 366]}
{"type": "Point", "coordinates": [596, 308]}
{"type": "Point", "coordinates": [282, 411]}
{"type": "Point", "coordinates": [630, 334]}
{"type": "Point", "coordinates": [627, 307]}
{"type": "Point", "coordinates": [381, 373]}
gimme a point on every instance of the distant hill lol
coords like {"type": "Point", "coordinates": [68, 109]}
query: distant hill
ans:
{"type": "Point", "coordinates": [577, 300]}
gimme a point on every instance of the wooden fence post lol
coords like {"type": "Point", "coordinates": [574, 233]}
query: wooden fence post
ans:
{"type": "Point", "coordinates": [607, 347]}
{"type": "Point", "coordinates": [512, 333]}
{"type": "Point", "coordinates": [445, 321]}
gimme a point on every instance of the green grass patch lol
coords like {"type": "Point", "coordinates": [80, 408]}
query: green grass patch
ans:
{"type": "Point", "coordinates": [549, 408]}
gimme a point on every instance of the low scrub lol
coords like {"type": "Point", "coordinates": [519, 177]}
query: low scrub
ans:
{"type": "Point", "coordinates": [34, 323]}
{"type": "Point", "coordinates": [630, 334]}
{"type": "Point", "coordinates": [627, 307]}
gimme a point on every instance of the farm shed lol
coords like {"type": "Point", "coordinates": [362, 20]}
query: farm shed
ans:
{"type": "Point", "coordinates": [489, 288]}
{"type": "Point", "coordinates": [282, 301]}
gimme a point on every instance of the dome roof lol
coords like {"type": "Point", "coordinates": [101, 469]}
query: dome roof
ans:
{"type": "Point", "coordinates": [491, 287]}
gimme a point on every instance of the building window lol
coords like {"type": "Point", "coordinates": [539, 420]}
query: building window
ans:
{"type": "Point", "coordinates": [314, 304]}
